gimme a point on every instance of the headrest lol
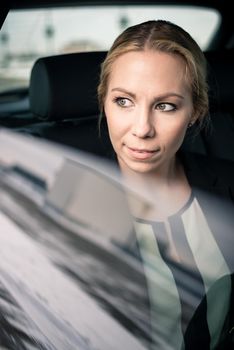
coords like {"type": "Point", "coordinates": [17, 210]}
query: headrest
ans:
{"type": "Point", "coordinates": [65, 86]}
{"type": "Point", "coordinates": [221, 79]}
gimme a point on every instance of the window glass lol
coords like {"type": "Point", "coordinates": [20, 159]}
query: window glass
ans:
{"type": "Point", "coordinates": [27, 35]}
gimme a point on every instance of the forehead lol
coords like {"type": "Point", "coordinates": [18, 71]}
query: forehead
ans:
{"type": "Point", "coordinates": [149, 69]}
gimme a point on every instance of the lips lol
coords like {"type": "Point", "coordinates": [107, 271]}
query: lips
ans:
{"type": "Point", "coordinates": [141, 153]}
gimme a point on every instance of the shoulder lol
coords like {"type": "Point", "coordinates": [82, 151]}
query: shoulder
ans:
{"type": "Point", "coordinates": [195, 333]}
{"type": "Point", "coordinates": [207, 173]}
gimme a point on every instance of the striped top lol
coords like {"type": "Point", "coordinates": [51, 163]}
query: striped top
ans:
{"type": "Point", "coordinates": [182, 261]}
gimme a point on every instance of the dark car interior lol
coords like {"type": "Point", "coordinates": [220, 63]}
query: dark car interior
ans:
{"type": "Point", "coordinates": [61, 103]}
{"type": "Point", "coordinates": [69, 115]}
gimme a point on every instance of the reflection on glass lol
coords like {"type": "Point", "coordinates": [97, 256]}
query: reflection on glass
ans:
{"type": "Point", "coordinates": [86, 264]}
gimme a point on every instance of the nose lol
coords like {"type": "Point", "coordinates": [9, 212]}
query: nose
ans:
{"type": "Point", "coordinates": [143, 126]}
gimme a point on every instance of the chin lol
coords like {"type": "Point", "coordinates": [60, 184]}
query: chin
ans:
{"type": "Point", "coordinates": [139, 167]}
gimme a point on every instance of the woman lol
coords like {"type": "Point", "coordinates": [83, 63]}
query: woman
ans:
{"type": "Point", "coordinates": [152, 90]}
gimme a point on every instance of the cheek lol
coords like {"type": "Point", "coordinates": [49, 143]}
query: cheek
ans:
{"type": "Point", "coordinates": [173, 136]}
{"type": "Point", "coordinates": [113, 124]}
{"type": "Point", "coordinates": [110, 118]}
{"type": "Point", "coordinates": [116, 122]}
{"type": "Point", "coordinates": [117, 133]}
{"type": "Point", "coordinates": [179, 135]}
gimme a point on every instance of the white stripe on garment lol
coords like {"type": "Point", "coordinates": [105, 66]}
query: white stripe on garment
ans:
{"type": "Point", "coordinates": [163, 295]}
{"type": "Point", "coordinates": [211, 265]}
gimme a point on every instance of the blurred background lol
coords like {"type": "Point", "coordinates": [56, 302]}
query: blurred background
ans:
{"type": "Point", "coordinates": [29, 34]}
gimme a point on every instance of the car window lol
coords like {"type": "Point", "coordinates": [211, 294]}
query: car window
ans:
{"type": "Point", "coordinates": [68, 270]}
{"type": "Point", "coordinates": [79, 270]}
{"type": "Point", "coordinates": [27, 35]}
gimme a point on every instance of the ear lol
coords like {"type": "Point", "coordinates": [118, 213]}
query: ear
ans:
{"type": "Point", "coordinates": [195, 116]}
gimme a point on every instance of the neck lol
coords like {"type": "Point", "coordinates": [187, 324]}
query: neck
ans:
{"type": "Point", "coordinates": [157, 181]}
{"type": "Point", "coordinates": [167, 190]}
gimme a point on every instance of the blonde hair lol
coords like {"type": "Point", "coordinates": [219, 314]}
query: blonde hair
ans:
{"type": "Point", "coordinates": [166, 37]}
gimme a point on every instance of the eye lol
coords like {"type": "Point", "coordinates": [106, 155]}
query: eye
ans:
{"type": "Point", "coordinates": [166, 107]}
{"type": "Point", "coordinates": [123, 102]}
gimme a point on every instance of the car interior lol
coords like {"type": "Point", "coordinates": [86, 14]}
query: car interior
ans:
{"type": "Point", "coordinates": [61, 105]}
{"type": "Point", "coordinates": [70, 116]}
{"type": "Point", "coordinates": [55, 196]}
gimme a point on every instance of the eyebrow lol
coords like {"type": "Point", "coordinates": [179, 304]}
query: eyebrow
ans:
{"type": "Point", "coordinates": [158, 98]}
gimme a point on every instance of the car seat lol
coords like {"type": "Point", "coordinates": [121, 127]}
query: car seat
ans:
{"type": "Point", "coordinates": [219, 140]}
{"type": "Point", "coordinates": [63, 94]}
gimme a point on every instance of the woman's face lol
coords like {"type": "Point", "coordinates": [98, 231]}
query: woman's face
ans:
{"type": "Point", "coordinates": [148, 107]}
